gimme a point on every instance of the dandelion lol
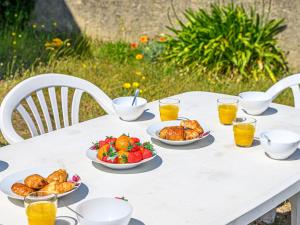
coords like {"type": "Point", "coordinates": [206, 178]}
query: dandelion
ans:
{"type": "Point", "coordinates": [139, 56]}
{"type": "Point", "coordinates": [14, 42]}
{"type": "Point", "coordinates": [42, 26]}
{"type": "Point", "coordinates": [141, 91]}
{"type": "Point", "coordinates": [68, 44]}
{"type": "Point", "coordinates": [57, 42]}
{"type": "Point", "coordinates": [13, 34]}
{"type": "Point", "coordinates": [135, 84]}
{"type": "Point", "coordinates": [84, 65]}
{"type": "Point", "coordinates": [144, 39]}
{"type": "Point", "coordinates": [1, 64]}
{"type": "Point", "coordinates": [162, 39]}
{"type": "Point", "coordinates": [33, 26]}
{"type": "Point", "coordinates": [126, 85]}
{"type": "Point", "coordinates": [54, 24]}
{"type": "Point", "coordinates": [138, 73]}
{"type": "Point", "coordinates": [16, 15]}
{"type": "Point", "coordinates": [20, 35]}
{"type": "Point", "coordinates": [134, 45]}
{"type": "Point", "coordinates": [143, 78]}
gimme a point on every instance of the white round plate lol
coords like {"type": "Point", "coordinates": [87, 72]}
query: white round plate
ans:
{"type": "Point", "coordinates": [154, 130]}
{"type": "Point", "coordinates": [7, 182]}
{"type": "Point", "coordinates": [92, 155]}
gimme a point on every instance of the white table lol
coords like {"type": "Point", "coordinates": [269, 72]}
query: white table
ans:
{"type": "Point", "coordinates": [211, 182]}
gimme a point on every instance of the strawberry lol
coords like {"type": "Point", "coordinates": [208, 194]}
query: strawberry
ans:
{"type": "Point", "coordinates": [134, 157]}
{"type": "Point", "coordinates": [147, 153]}
{"type": "Point", "coordinates": [133, 148]}
{"type": "Point", "coordinates": [135, 139]}
{"type": "Point", "coordinates": [103, 151]}
{"type": "Point", "coordinates": [109, 160]}
{"type": "Point", "coordinates": [110, 140]}
{"type": "Point", "coordinates": [122, 157]}
{"type": "Point", "coordinates": [101, 143]}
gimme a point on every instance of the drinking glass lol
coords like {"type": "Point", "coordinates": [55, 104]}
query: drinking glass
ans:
{"type": "Point", "coordinates": [168, 109]}
{"type": "Point", "coordinates": [227, 108]}
{"type": "Point", "coordinates": [41, 208]}
{"type": "Point", "coordinates": [244, 130]}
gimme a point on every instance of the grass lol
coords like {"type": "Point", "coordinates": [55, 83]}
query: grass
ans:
{"type": "Point", "coordinates": [109, 66]}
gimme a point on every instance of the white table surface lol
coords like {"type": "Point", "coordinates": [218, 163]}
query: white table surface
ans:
{"type": "Point", "coordinates": [211, 182]}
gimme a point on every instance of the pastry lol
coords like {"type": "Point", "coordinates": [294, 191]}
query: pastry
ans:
{"type": "Point", "coordinates": [192, 124]}
{"type": "Point", "coordinates": [190, 134]}
{"type": "Point", "coordinates": [58, 188]}
{"type": "Point", "coordinates": [21, 189]}
{"type": "Point", "coordinates": [174, 133]}
{"type": "Point", "coordinates": [35, 181]}
{"type": "Point", "coordinates": [58, 175]}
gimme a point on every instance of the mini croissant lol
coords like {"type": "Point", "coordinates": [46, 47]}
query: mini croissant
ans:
{"type": "Point", "coordinates": [58, 188]}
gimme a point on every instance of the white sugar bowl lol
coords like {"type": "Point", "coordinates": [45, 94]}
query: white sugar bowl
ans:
{"type": "Point", "coordinates": [279, 144]}
{"type": "Point", "coordinates": [255, 102]}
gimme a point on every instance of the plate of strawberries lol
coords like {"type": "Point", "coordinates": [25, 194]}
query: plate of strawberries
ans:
{"type": "Point", "coordinates": [124, 152]}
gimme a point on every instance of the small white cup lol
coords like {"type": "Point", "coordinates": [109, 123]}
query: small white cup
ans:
{"type": "Point", "coordinates": [255, 102]}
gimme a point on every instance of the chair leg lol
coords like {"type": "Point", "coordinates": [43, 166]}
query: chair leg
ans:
{"type": "Point", "coordinates": [295, 202]}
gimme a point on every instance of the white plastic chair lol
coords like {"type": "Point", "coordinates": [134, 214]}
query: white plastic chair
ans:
{"type": "Point", "coordinates": [292, 82]}
{"type": "Point", "coordinates": [25, 89]}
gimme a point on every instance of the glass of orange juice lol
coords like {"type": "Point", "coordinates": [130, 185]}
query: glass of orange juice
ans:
{"type": "Point", "coordinates": [41, 208]}
{"type": "Point", "coordinates": [244, 130]}
{"type": "Point", "coordinates": [227, 108]}
{"type": "Point", "coordinates": [169, 108]}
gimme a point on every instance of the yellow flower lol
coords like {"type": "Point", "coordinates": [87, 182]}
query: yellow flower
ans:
{"type": "Point", "coordinates": [138, 73]}
{"type": "Point", "coordinates": [143, 78]}
{"type": "Point", "coordinates": [144, 39]}
{"type": "Point", "coordinates": [1, 64]}
{"type": "Point", "coordinates": [14, 42]}
{"type": "Point", "coordinates": [141, 91]}
{"type": "Point", "coordinates": [68, 44]}
{"type": "Point", "coordinates": [33, 26]}
{"type": "Point", "coordinates": [135, 84]}
{"type": "Point", "coordinates": [84, 65]}
{"type": "Point", "coordinates": [139, 56]}
{"type": "Point", "coordinates": [54, 24]}
{"type": "Point", "coordinates": [57, 42]}
{"type": "Point", "coordinates": [127, 85]}
{"type": "Point", "coordinates": [13, 33]}
{"type": "Point", "coordinates": [20, 35]}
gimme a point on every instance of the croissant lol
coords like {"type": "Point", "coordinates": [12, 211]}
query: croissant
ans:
{"type": "Point", "coordinates": [192, 124]}
{"type": "Point", "coordinates": [174, 133]}
{"type": "Point", "coordinates": [35, 181]}
{"type": "Point", "coordinates": [58, 188]}
{"type": "Point", "coordinates": [58, 175]}
{"type": "Point", "coordinates": [190, 134]}
{"type": "Point", "coordinates": [21, 189]}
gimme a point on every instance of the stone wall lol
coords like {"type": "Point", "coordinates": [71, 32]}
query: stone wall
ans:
{"type": "Point", "coordinates": [127, 19]}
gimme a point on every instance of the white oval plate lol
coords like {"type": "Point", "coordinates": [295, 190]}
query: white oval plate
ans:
{"type": "Point", "coordinates": [92, 155]}
{"type": "Point", "coordinates": [154, 129]}
{"type": "Point", "coordinates": [7, 182]}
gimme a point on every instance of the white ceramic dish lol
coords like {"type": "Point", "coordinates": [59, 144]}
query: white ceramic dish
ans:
{"type": "Point", "coordinates": [124, 109]}
{"type": "Point", "coordinates": [280, 144]}
{"type": "Point", "coordinates": [255, 102]}
{"type": "Point", "coordinates": [92, 155]}
{"type": "Point", "coordinates": [7, 182]}
{"type": "Point", "coordinates": [154, 129]}
{"type": "Point", "coordinates": [104, 211]}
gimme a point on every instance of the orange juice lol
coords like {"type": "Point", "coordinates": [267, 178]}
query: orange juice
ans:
{"type": "Point", "coordinates": [244, 134]}
{"type": "Point", "coordinates": [41, 213]}
{"type": "Point", "coordinates": [168, 112]}
{"type": "Point", "coordinates": [227, 113]}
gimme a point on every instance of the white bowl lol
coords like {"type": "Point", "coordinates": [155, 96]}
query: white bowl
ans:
{"type": "Point", "coordinates": [255, 102]}
{"type": "Point", "coordinates": [280, 144]}
{"type": "Point", "coordinates": [104, 211]}
{"type": "Point", "coordinates": [124, 109]}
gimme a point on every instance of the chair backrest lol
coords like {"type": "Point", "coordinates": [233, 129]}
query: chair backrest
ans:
{"type": "Point", "coordinates": [292, 82]}
{"type": "Point", "coordinates": [25, 90]}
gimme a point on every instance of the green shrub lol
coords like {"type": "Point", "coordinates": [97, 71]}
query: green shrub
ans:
{"type": "Point", "coordinates": [15, 12]}
{"type": "Point", "coordinates": [228, 41]}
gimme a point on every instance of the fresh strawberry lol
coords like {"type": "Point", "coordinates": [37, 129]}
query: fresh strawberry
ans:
{"type": "Point", "coordinates": [110, 140]}
{"type": "Point", "coordinates": [110, 160]}
{"type": "Point", "coordinates": [101, 143]}
{"type": "Point", "coordinates": [133, 148]}
{"type": "Point", "coordinates": [134, 157]}
{"type": "Point", "coordinates": [135, 139]}
{"type": "Point", "coordinates": [147, 153]}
